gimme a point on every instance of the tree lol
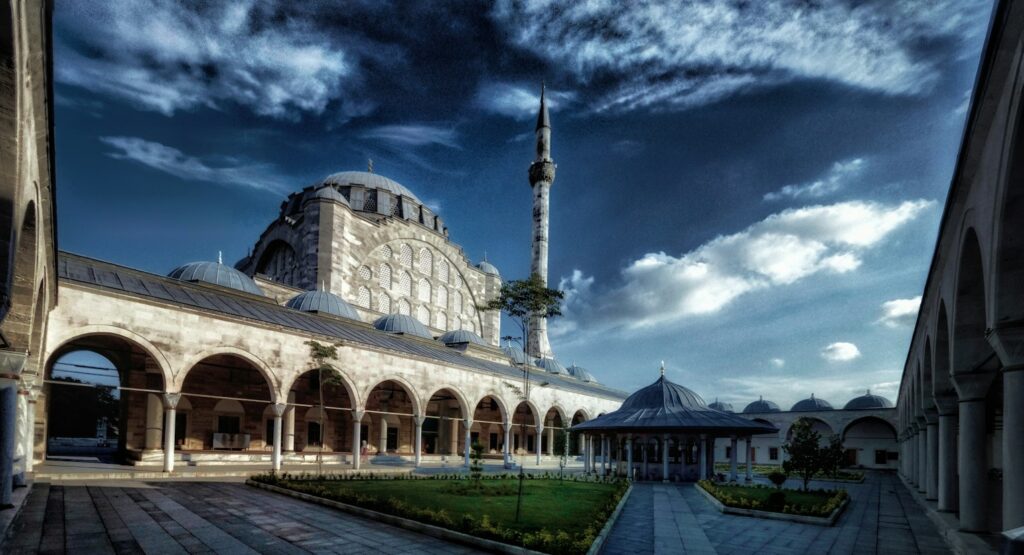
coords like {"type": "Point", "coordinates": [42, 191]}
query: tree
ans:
{"type": "Point", "coordinates": [322, 355]}
{"type": "Point", "coordinates": [804, 455]}
{"type": "Point", "coordinates": [833, 454]}
{"type": "Point", "coordinates": [522, 301]}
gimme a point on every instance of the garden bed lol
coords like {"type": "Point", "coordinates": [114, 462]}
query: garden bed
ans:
{"type": "Point", "coordinates": [557, 516]}
{"type": "Point", "coordinates": [821, 507]}
{"type": "Point", "coordinates": [849, 476]}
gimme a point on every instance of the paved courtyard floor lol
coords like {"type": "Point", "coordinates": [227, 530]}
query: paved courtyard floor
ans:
{"type": "Point", "coordinates": [196, 517]}
{"type": "Point", "coordinates": [881, 518]}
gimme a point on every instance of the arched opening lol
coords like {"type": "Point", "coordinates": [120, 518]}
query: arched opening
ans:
{"type": "Point", "coordinates": [555, 438]}
{"type": "Point", "coordinates": [9, 152]}
{"type": "Point", "coordinates": [942, 385]}
{"type": "Point", "coordinates": [280, 263]}
{"type": "Point", "coordinates": [870, 442]}
{"type": "Point", "coordinates": [228, 397]}
{"type": "Point", "coordinates": [102, 400]}
{"type": "Point", "coordinates": [971, 351]}
{"type": "Point", "coordinates": [524, 429]}
{"type": "Point", "coordinates": [444, 429]}
{"type": "Point", "coordinates": [387, 426]}
{"type": "Point", "coordinates": [1009, 240]}
{"type": "Point", "coordinates": [488, 426]}
{"type": "Point", "coordinates": [17, 325]}
{"type": "Point", "coordinates": [576, 439]}
{"type": "Point", "coordinates": [817, 425]}
{"type": "Point", "coordinates": [308, 426]}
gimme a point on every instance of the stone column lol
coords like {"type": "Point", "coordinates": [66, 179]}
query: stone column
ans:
{"type": "Point", "coordinates": [1008, 343]}
{"type": "Point", "coordinates": [702, 459]}
{"type": "Point", "coordinates": [382, 446]}
{"type": "Point", "coordinates": [275, 457]}
{"type": "Point", "coordinates": [711, 455]}
{"type": "Point", "coordinates": [30, 436]}
{"type": "Point", "coordinates": [629, 457]}
{"type": "Point", "coordinates": [733, 447]}
{"type": "Point", "coordinates": [606, 452]}
{"type": "Point", "coordinates": [507, 448]}
{"type": "Point", "coordinates": [154, 421]}
{"type": "Point", "coordinates": [289, 424]}
{"type": "Point", "coordinates": [537, 436]}
{"type": "Point", "coordinates": [922, 455]}
{"type": "Point", "coordinates": [972, 389]}
{"type": "Point", "coordinates": [170, 404]}
{"type": "Point", "coordinates": [417, 445]}
{"type": "Point", "coordinates": [664, 458]}
{"type": "Point", "coordinates": [931, 460]}
{"type": "Point", "coordinates": [947, 472]}
{"type": "Point", "coordinates": [913, 454]}
{"type": "Point", "coordinates": [467, 439]}
{"type": "Point", "coordinates": [8, 433]}
{"type": "Point", "coordinates": [551, 440]}
{"type": "Point", "coordinates": [750, 459]}
{"type": "Point", "coordinates": [357, 440]}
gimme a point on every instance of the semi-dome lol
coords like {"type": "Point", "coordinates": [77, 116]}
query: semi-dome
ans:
{"type": "Point", "coordinates": [370, 181]}
{"type": "Point", "coordinates": [456, 337]}
{"type": "Point", "coordinates": [811, 404]}
{"type": "Point", "coordinates": [581, 373]}
{"type": "Point", "coordinates": [514, 353]}
{"type": "Point", "coordinates": [403, 324]}
{"type": "Point", "coordinates": [760, 405]}
{"type": "Point", "coordinates": [551, 366]}
{"type": "Point", "coordinates": [488, 268]}
{"type": "Point", "coordinates": [867, 402]}
{"type": "Point", "coordinates": [323, 302]}
{"type": "Point", "coordinates": [217, 274]}
{"type": "Point", "coordinates": [718, 405]}
{"type": "Point", "coordinates": [328, 192]}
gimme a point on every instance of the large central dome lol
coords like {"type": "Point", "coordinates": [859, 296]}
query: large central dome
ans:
{"type": "Point", "coordinates": [370, 181]}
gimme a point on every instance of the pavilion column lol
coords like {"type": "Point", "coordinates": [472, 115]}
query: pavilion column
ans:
{"type": "Point", "coordinates": [711, 455]}
{"type": "Point", "coordinates": [417, 446]}
{"type": "Point", "coordinates": [154, 421]}
{"type": "Point", "coordinates": [538, 436]}
{"type": "Point", "coordinates": [170, 404]}
{"type": "Point", "coordinates": [750, 458]}
{"type": "Point", "coordinates": [357, 441]}
{"type": "Point", "coordinates": [733, 447]}
{"type": "Point", "coordinates": [702, 459]}
{"type": "Point", "coordinates": [618, 456]}
{"type": "Point", "coordinates": [629, 457]}
{"type": "Point", "coordinates": [507, 448]}
{"type": "Point", "coordinates": [947, 473]}
{"type": "Point", "coordinates": [604, 455]}
{"type": "Point", "coordinates": [684, 444]}
{"type": "Point", "coordinates": [972, 389]}
{"type": "Point", "coordinates": [551, 440]}
{"type": "Point", "coordinates": [1008, 343]}
{"type": "Point", "coordinates": [932, 462]}
{"type": "Point", "coordinates": [275, 457]}
{"type": "Point", "coordinates": [289, 424]}
{"type": "Point", "coordinates": [646, 446]}
{"type": "Point", "coordinates": [468, 440]}
{"type": "Point", "coordinates": [664, 458]}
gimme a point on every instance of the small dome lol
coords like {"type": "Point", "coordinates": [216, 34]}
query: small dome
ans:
{"type": "Point", "coordinates": [328, 192]}
{"type": "Point", "coordinates": [370, 181]}
{"type": "Point", "coordinates": [514, 353]}
{"type": "Point", "coordinates": [323, 302]}
{"type": "Point", "coordinates": [488, 268]}
{"type": "Point", "coordinates": [720, 406]}
{"type": "Point", "coordinates": [456, 337]}
{"type": "Point", "coordinates": [405, 325]}
{"type": "Point", "coordinates": [581, 374]}
{"type": "Point", "coordinates": [217, 274]}
{"type": "Point", "coordinates": [761, 405]}
{"type": "Point", "coordinates": [811, 404]}
{"type": "Point", "coordinates": [552, 366]}
{"type": "Point", "coordinates": [867, 402]}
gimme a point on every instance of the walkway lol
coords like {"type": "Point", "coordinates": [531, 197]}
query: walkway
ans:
{"type": "Point", "coordinates": [196, 517]}
{"type": "Point", "coordinates": [881, 518]}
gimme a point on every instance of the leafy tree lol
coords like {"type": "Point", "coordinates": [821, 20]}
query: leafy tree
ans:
{"type": "Point", "coordinates": [833, 454]}
{"type": "Point", "coordinates": [321, 356]}
{"type": "Point", "coordinates": [804, 456]}
{"type": "Point", "coordinates": [778, 478]}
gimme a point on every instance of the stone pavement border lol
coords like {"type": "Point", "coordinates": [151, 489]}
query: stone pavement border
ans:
{"type": "Point", "coordinates": [595, 547]}
{"type": "Point", "coordinates": [948, 526]}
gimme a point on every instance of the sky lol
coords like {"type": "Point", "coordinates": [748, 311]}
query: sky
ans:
{"type": "Point", "coordinates": [747, 191]}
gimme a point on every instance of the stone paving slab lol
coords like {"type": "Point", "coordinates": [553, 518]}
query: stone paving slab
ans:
{"type": "Point", "coordinates": [200, 517]}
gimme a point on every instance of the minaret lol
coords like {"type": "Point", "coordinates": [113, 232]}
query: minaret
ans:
{"type": "Point", "coordinates": [542, 175]}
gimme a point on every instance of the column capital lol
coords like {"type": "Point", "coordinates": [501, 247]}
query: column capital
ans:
{"type": "Point", "coordinates": [171, 400]}
{"type": "Point", "coordinates": [278, 409]}
{"type": "Point", "coordinates": [946, 404]}
{"type": "Point", "coordinates": [973, 386]}
{"type": "Point", "coordinates": [507, 425]}
{"type": "Point", "coordinates": [357, 415]}
{"type": "Point", "coordinates": [418, 419]}
{"type": "Point", "coordinates": [1007, 340]}
{"type": "Point", "coordinates": [468, 422]}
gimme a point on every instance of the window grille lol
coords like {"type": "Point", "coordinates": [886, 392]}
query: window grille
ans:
{"type": "Point", "coordinates": [364, 297]}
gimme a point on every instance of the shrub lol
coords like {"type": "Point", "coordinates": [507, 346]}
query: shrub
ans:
{"type": "Point", "coordinates": [778, 478]}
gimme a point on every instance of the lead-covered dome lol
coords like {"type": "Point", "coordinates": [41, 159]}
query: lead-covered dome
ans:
{"type": "Point", "coordinates": [217, 274]}
{"type": "Point", "coordinates": [514, 353]}
{"type": "Point", "coordinates": [488, 268]}
{"type": "Point", "coordinates": [761, 405]}
{"type": "Point", "coordinates": [402, 324]}
{"type": "Point", "coordinates": [551, 366]}
{"type": "Point", "coordinates": [724, 407]}
{"type": "Point", "coordinates": [457, 337]}
{"type": "Point", "coordinates": [867, 402]}
{"type": "Point", "coordinates": [811, 404]}
{"type": "Point", "coordinates": [581, 374]}
{"type": "Point", "coordinates": [370, 181]}
{"type": "Point", "coordinates": [323, 302]}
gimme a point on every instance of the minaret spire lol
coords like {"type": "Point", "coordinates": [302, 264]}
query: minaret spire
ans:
{"type": "Point", "coordinates": [542, 175]}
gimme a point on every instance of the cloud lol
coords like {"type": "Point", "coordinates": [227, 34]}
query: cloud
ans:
{"type": "Point", "coordinates": [840, 352]}
{"type": "Point", "coordinates": [780, 250]}
{"type": "Point", "coordinates": [166, 57]}
{"type": "Point", "coordinates": [679, 55]}
{"type": "Point", "coordinates": [837, 177]}
{"type": "Point", "coordinates": [628, 147]}
{"type": "Point", "coordinates": [174, 162]}
{"type": "Point", "coordinates": [518, 101]}
{"type": "Point", "coordinates": [414, 134]}
{"type": "Point", "coordinates": [777, 362]}
{"type": "Point", "coordinates": [900, 312]}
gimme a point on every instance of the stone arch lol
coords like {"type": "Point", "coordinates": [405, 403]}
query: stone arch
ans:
{"type": "Point", "coordinates": [17, 323]}
{"type": "Point", "coordinates": [941, 383]}
{"type": "Point", "coordinates": [460, 398]}
{"type": "Point", "coordinates": [346, 382]}
{"type": "Point", "coordinates": [872, 419]}
{"type": "Point", "coordinates": [1008, 232]}
{"type": "Point", "coordinates": [818, 424]}
{"type": "Point", "coordinates": [409, 390]}
{"type": "Point", "coordinates": [262, 367]}
{"type": "Point", "coordinates": [580, 412]}
{"type": "Point", "coordinates": [970, 346]}
{"type": "Point", "coordinates": [559, 411]}
{"type": "Point", "coordinates": [99, 330]}
{"type": "Point", "coordinates": [498, 399]}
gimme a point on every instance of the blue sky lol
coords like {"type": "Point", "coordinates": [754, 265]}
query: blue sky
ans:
{"type": "Point", "coordinates": [749, 191]}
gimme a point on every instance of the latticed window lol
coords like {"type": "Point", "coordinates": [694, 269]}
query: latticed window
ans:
{"type": "Point", "coordinates": [470, 309]}
{"type": "Point", "coordinates": [442, 296]}
{"type": "Point", "coordinates": [371, 201]}
{"type": "Point", "coordinates": [423, 290]}
{"type": "Point", "coordinates": [458, 301]}
{"type": "Point", "coordinates": [386, 252]}
{"type": "Point", "coordinates": [396, 207]}
{"type": "Point", "coordinates": [363, 299]}
{"type": "Point", "coordinates": [365, 272]}
{"type": "Point", "coordinates": [442, 271]}
{"type": "Point", "coordinates": [384, 276]}
{"type": "Point", "coordinates": [423, 315]}
{"type": "Point", "coordinates": [404, 307]}
{"type": "Point", "coordinates": [442, 321]}
{"type": "Point", "coordinates": [384, 303]}
{"type": "Point", "coordinates": [405, 255]}
{"type": "Point", "coordinates": [459, 282]}
{"type": "Point", "coordinates": [405, 283]}
{"type": "Point", "coordinates": [426, 261]}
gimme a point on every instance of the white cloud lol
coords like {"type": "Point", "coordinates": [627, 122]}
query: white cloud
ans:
{"type": "Point", "coordinates": [174, 162]}
{"type": "Point", "coordinates": [780, 250]}
{"type": "Point", "coordinates": [679, 55]}
{"type": "Point", "coordinates": [163, 57]}
{"type": "Point", "coordinates": [777, 362]}
{"type": "Point", "coordinates": [840, 351]}
{"type": "Point", "coordinates": [518, 101]}
{"type": "Point", "coordinates": [414, 134]}
{"type": "Point", "coordinates": [900, 312]}
{"type": "Point", "coordinates": [838, 175]}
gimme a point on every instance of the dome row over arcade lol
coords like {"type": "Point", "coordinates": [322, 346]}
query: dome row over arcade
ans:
{"type": "Point", "coordinates": [810, 404]}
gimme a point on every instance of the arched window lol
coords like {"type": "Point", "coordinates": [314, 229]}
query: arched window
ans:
{"type": "Point", "coordinates": [363, 299]}
{"type": "Point", "coordinates": [457, 323]}
{"type": "Point", "coordinates": [470, 309]}
{"type": "Point", "coordinates": [426, 262]}
{"type": "Point", "coordinates": [471, 326]}
{"type": "Point", "coordinates": [384, 276]}
{"type": "Point", "coordinates": [423, 315]}
{"type": "Point", "coordinates": [442, 296]}
{"type": "Point", "coordinates": [405, 255]}
{"type": "Point", "coordinates": [423, 290]}
{"type": "Point", "coordinates": [383, 303]}
{"type": "Point", "coordinates": [365, 273]}
{"type": "Point", "coordinates": [458, 302]}
{"type": "Point", "coordinates": [405, 283]}
{"type": "Point", "coordinates": [404, 307]}
{"type": "Point", "coordinates": [442, 271]}
{"type": "Point", "coordinates": [442, 321]}
{"type": "Point", "coordinates": [386, 252]}
{"type": "Point", "coordinates": [459, 282]}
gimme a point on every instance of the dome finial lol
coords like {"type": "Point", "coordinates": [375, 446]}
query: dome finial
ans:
{"type": "Point", "coordinates": [369, 165]}
{"type": "Point", "coordinates": [663, 369]}
{"type": "Point", "coordinates": [220, 257]}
